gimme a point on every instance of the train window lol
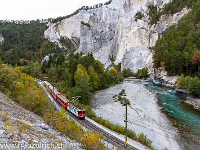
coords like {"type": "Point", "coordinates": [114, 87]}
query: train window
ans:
{"type": "Point", "coordinates": [79, 112]}
{"type": "Point", "coordinates": [83, 112]}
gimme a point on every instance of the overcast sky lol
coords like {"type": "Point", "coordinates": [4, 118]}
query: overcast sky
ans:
{"type": "Point", "coordinates": [40, 9]}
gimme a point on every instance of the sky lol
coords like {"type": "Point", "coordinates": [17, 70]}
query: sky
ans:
{"type": "Point", "coordinates": [41, 9]}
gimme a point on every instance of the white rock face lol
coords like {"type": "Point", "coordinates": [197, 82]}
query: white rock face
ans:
{"type": "Point", "coordinates": [164, 23]}
{"type": "Point", "coordinates": [163, 74]}
{"type": "Point", "coordinates": [114, 31]}
{"type": "Point", "coordinates": [1, 38]}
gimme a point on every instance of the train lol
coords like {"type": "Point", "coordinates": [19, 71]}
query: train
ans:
{"type": "Point", "coordinates": [69, 106]}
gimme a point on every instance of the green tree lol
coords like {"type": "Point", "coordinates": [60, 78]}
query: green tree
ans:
{"type": "Point", "coordinates": [94, 77]}
{"type": "Point", "coordinates": [83, 87]}
{"type": "Point", "coordinates": [194, 87]}
{"type": "Point", "coordinates": [183, 82]}
{"type": "Point", "coordinates": [127, 72]}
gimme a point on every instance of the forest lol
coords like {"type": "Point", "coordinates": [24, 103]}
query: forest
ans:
{"type": "Point", "coordinates": [176, 49]}
{"type": "Point", "coordinates": [24, 42]}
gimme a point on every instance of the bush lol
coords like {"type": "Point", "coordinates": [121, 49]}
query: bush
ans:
{"type": "Point", "coordinates": [122, 93]}
{"type": "Point", "coordinates": [183, 82]}
{"type": "Point", "coordinates": [115, 127]}
{"type": "Point", "coordinates": [23, 89]}
{"type": "Point", "coordinates": [194, 87]}
{"type": "Point", "coordinates": [142, 73]}
{"type": "Point", "coordinates": [127, 72]}
{"type": "Point", "coordinates": [138, 15]}
{"type": "Point", "coordinates": [86, 24]}
{"type": "Point", "coordinates": [121, 98]}
{"type": "Point", "coordinates": [63, 124]}
{"type": "Point", "coordinates": [144, 140]}
{"type": "Point", "coordinates": [154, 15]}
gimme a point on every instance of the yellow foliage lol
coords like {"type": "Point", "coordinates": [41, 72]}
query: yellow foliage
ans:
{"type": "Point", "coordinates": [17, 71]}
{"type": "Point", "coordinates": [91, 140]}
{"type": "Point", "coordinates": [5, 116]}
{"type": "Point", "coordinates": [162, 64]}
{"type": "Point", "coordinates": [19, 85]}
{"type": "Point", "coordinates": [113, 71]}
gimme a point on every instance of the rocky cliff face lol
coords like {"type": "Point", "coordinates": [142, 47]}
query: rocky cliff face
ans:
{"type": "Point", "coordinates": [1, 38]}
{"type": "Point", "coordinates": [112, 30]}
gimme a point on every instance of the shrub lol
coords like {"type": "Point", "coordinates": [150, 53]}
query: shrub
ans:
{"type": "Point", "coordinates": [183, 82]}
{"type": "Point", "coordinates": [127, 72]}
{"type": "Point", "coordinates": [132, 135]}
{"type": "Point", "coordinates": [63, 124]}
{"type": "Point", "coordinates": [116, 127]}
{"type": "Point", "coordinates": [142, 73]}
{"type": "Point", "coordinates": [122, 93]}
{"type": "Point", "coordinates": [138, 15]}
{"type": "Point", "coordinates": [154, 15]}
{"type": "Point", "coordinates": [144, 140]}
{"type": "Point", "coordinates": [86, 24]}
{"type": "Point", "coordinates": [5, 116]}
{"type": "Point", "coordinates": [115, 96]}
{"type": "Point", "coordinates": [194, 87]}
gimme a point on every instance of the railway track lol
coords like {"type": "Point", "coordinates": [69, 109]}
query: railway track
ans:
{"type": "Point", "coordinates": [107, 136]}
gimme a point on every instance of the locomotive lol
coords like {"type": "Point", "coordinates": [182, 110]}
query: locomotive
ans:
{"type": "Point", "coordinates": [70, 106]}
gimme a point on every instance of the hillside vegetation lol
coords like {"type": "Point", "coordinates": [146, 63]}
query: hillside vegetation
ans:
{"type": "Point", "coordinates": [25, 91]}
{"type": "Point", "coordinates": [76, 75]}
{"type": "Point", "coordinates": [24, 42]}
{"type": "Point", "coordinates": [170, 8]}
{"type": "Point", "coordinates": [177, 49]}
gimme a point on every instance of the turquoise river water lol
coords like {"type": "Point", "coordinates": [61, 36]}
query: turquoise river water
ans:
{"type": "Point", "coordinates": [183, 116]}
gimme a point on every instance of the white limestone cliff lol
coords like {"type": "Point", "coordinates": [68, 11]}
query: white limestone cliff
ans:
{"type": "Point", "coordinates": [113, 31]}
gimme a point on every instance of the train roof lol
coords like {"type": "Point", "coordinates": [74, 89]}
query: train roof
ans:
{"type": "Point", "coordinates": [52, 88]}
{"type": "Point", "coordinates": [63, 98]}
{"type": "Point", "coordinates": [79, 108]}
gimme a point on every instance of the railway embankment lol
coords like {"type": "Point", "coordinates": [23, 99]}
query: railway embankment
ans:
{"type": "Point", "coordinates": [22, 129]}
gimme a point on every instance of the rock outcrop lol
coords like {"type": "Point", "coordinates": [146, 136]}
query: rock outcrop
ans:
{"type": "Point", "coordinates": [1, 38]}
{"type": "Point", "coordinates": [111, 30]}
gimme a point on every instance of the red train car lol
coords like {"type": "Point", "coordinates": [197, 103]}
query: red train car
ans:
{"type": "Point", "coordinates": [71, 107]}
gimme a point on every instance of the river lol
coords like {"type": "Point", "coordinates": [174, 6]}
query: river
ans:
{"type": "Point", "coordinates": [156, 111]}
{"type": "Point", "coordinates": [182, 115]}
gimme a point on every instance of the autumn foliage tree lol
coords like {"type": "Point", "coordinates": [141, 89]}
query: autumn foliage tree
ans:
{"type": "Point", "coordinates": [196, 58]}
{"type": "Point", "coordinates": [113, 73]}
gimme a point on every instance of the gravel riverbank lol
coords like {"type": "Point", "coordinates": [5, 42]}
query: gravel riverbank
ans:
{"type": "Point", "coordinates": [195, 102]}
{"type": "Point", "coordinates": [144, 114]}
